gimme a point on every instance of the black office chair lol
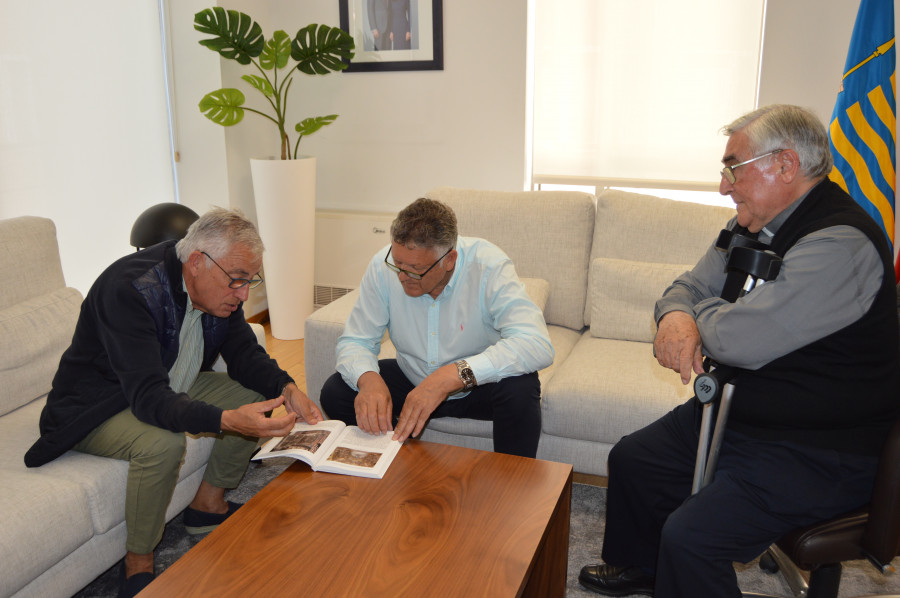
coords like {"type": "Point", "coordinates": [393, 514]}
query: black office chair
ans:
{"type": "Point", "coordinates": [871, 533]}
{"type": "Point", "coordinates": [162, 222]}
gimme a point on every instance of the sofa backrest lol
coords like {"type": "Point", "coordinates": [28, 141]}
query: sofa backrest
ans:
{"type": "Point", "coordinates": [638, 234]}
{"type": "Point", "coordinates": [547, 234]}
{"type": "Point", "coordinates": [29, 259]}
{"type": "Point", "coordinates": [37, 311]}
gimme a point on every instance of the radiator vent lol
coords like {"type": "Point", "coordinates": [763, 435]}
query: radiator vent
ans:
{"type": "Point", "coordinates": [325, 295]}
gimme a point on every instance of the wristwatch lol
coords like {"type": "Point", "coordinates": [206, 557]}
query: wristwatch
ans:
{"type": "Point", "coordinates": [465, 374]}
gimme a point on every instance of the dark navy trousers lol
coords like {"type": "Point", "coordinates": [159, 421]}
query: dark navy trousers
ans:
{"type": "Point", "coordinates": [513, 404]}
{"type": "Point", "coordinates": [762, 490]}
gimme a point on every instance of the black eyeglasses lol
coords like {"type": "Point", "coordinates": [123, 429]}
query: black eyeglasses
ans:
{"type": "Point", "coordinates": [236, 283]}
{"type": "Point", "coordinates": [413, 275]}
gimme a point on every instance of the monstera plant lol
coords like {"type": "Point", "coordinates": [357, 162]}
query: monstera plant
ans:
{"type": "Point", "coordinates": [315, 50]}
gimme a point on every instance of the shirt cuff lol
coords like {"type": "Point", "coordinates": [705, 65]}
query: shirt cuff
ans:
{"type": "Point", "coordinates": [482, 368]}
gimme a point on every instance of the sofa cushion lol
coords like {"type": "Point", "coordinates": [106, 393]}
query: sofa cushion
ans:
{"type": "Point", "coordinates": [33, 335]}
{"type": "Point", "coordinates": [623, 294]}
{"type": "Point", "coordinates": [547, 234]}
{"type": "Point", "coordinates": [646, 228]}
{"type": "Point", "coordinates": [538, 290]}
{"type": "Point", "coordinates": [101, 479]}
{"type": "Point", "coordinates": [608, 388]}
{"type": "Point", "coordinates": [44, 519]}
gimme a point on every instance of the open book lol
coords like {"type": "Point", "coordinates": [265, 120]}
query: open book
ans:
{"type": "Point", "coordinates": [335, 447]}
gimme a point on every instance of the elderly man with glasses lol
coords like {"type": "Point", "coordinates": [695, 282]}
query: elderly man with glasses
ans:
{"type": "Point", "coordinates": [469, 340]}
{"type": "Point", "coordinates": [815, 394]}
{"type": "Point", "coordinates": [137, 377]}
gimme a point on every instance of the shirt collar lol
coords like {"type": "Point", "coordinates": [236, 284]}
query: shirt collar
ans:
{"type": "Point", "coordinates": [189, 306]}
{"type": "Point", "coordinates": [454, 277]}
{"type": "Point", "coordinates": [769, 231]}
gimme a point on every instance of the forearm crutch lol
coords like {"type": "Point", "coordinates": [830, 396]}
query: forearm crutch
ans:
{"type": "Point", "coordinates": [749, 265]}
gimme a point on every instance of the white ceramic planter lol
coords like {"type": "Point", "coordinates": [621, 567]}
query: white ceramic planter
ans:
{"type": "Point", "coordinates": [285, 195]}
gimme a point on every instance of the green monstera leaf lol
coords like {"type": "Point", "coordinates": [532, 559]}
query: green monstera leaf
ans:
{"type": "Point", "coordinates": [223, 106]}
{"type": "Point", "coordinates": [315, 50]}
{"type": "Point", "coordinates": [261, 84]}
{"type": "Point", "coordinates": [320, 49]}
{"type": "Point", "coordinates": [277, 51]}
{"type": "Point", "coordinates": [308, 126]}
{"type": "Point", "coordinates": [236, 35]}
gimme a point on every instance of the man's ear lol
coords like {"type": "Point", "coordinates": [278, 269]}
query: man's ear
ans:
{"type": "Point", "coordinates": [450, 260]}
{"type": "Point", "coordinates": [194, 262]}
{"type": "Point", "coordinates": [789, 165]}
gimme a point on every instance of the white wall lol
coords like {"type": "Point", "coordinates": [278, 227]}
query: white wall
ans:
{"type": "Point", "coordinates": [805, 47]}
{"type": "Point", "coordinates": [401, 134]}
{"type": "Point", "coordinates": [83, 134]}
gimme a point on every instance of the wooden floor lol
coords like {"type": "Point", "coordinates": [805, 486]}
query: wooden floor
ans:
{"type": "Point", "coordinates": [289, 355]}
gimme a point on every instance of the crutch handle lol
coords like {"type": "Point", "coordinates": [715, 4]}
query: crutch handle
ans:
{"type": "Point", "coordinates": [708, 385]}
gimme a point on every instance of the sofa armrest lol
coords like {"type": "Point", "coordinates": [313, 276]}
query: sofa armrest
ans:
{"type": "Point", "coordinates": [323, 328]}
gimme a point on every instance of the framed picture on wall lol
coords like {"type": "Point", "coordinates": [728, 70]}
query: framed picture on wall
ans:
{"type": "Point", "coordinates": [394, 35]}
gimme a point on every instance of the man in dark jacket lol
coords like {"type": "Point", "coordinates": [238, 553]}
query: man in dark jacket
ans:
{"type": "Point", "coordinates": [137, 377]}
{"type": "Point", "coordinates": [815, 393]}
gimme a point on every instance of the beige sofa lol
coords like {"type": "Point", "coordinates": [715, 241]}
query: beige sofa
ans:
{"type": "Point", "coordinates": [607, 259]}
{"type": "Point", "coordinates": [61, 524]}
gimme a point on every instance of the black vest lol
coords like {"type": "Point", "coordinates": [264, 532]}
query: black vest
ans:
{"type": "Point", "coordinates": [841, 391]}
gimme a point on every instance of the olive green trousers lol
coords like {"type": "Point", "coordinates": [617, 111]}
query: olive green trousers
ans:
{"type": "Point", "coordinates": [155, 457]}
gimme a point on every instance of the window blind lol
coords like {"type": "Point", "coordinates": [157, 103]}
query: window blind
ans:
{"type": "Point", "coordinates": [639, 89]}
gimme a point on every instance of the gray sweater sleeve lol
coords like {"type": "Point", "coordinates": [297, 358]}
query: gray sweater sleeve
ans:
{"type": "Point", "coordinates": [828, 280]}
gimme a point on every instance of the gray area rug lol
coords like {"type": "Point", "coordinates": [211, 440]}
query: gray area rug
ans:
{"type": "Point", "coordinates": [586, 534]}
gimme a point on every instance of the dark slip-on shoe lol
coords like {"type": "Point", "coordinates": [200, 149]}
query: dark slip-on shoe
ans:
{"type": "Point", "coordinates": [616, 581]}
{"type": "Point", "coordinates": [200, 522]}
{"type": "Point", "coordinates": [130, 587]}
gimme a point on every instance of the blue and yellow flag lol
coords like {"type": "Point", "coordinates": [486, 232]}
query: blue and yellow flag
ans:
{"type": "Point", "coordinates": [863, 123]}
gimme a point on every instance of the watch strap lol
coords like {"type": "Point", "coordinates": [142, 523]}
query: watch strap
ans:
{"type": "Point", "coordinates": [466, 375]}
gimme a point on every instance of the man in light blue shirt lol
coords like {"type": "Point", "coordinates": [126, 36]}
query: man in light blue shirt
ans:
{"type": "Point", "coordinates": [469, 340]}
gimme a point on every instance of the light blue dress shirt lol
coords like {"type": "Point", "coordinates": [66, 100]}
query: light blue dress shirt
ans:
{"type": "Point", "coordinates": [483, 315]}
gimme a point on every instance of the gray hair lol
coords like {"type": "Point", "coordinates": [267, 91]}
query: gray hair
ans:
{"type": "Point", "coordinates": [782, 126]}
{"type": "Point", "coordinates": [216, 232]}
{"type": "Point", "coordinates": [426, 223]}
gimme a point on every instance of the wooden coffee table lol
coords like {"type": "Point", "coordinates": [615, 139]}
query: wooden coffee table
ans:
{"type": "Point", "coordinates": [444, 521]}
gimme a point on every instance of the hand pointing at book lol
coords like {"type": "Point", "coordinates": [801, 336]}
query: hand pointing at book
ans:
{"type": "Point", "coordinates": [296, 401]}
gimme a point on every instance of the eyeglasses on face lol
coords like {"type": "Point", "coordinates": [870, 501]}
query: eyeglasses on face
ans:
{"type": "Point", "coordinates": [236, 283]}
{"type": "Point", "coordinates": [413, 275]}
{"type": "Point", "coordinates": [728, 171]}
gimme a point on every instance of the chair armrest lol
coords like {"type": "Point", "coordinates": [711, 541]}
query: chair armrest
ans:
{"type": "Point", "coordinates": [881, 540]}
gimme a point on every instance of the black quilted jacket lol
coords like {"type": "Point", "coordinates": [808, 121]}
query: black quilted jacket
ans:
{"type": "Point", "coordinates": [125, 342]}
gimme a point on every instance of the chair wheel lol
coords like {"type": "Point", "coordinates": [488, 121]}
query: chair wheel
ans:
{"type": "Point", "coordinates": [768, 564]}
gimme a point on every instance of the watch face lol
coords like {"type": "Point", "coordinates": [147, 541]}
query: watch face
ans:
{"type": "Point", "coordinates": [466, 375]}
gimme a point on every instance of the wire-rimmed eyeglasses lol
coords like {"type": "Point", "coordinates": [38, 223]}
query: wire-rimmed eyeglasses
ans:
{"type": "Point", "coordinates": [728, 171]}
{"type": "Point", "coordinates": [236, 283]}
{"type": "Point", "coordinates": [413, 275]}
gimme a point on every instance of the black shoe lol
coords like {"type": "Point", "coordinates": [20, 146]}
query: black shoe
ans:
{"type": "Point", "coordinates": [129, 587]}
{"type": "Point", "coordinates": [201, 522]}
{"type": "Point", "coordinates": [616, 581]}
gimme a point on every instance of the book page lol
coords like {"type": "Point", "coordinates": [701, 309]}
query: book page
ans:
{"type": "Point", "coordinates": [306, 442]}
{"type": "Point", "coordinates": [362, 454]}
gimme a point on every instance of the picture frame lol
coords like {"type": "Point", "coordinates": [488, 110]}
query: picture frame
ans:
{"type": "Point", "coordinates": [417, 44]}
